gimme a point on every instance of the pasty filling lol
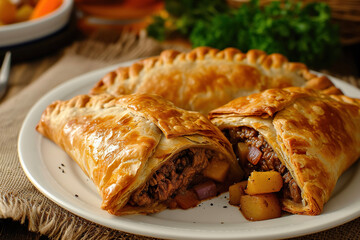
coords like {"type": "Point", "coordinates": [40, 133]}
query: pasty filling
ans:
{"type": "Point", "coordinates": [261, 157]}
{"type": "Point", "coordinates": [174, 181]}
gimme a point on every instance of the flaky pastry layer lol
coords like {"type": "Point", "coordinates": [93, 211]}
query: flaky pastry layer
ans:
{"type": "Point", "coordinates": [206, 78]}
{"type": "Point", "coordinates": [120, 142]}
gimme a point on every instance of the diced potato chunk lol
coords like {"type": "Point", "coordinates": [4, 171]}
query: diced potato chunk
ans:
{"type": "Point", "coordinates": [235, 192]}
{"type": "Point", "coordinates": [264, 182]}
{"type": "Point", "coordinates": [217, 170]}
{"type": "Point", "coordinates": [243, 151]}
{"type": "Point", "coordinates": [260, 207]}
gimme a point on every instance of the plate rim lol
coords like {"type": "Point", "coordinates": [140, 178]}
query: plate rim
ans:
{"type": "Point", "coordinates": [164, 232]}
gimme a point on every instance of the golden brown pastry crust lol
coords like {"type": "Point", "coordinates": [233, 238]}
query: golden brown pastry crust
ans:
{"type": "Point", "coordinates": [316, 136]}
{"type": "Point", "coordinates": [206, 78]}
{"type": "Point", "coordinates": [119, 142]}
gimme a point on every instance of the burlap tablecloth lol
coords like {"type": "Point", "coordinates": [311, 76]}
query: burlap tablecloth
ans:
{"type": "Point", "coordinates": [21, 201]}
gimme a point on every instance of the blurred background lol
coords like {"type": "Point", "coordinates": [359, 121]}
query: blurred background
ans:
{"type": "Point", "coordinates": [321, 34]}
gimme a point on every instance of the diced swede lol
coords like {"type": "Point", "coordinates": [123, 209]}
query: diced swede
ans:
{"type": "Point", "coordinates": [264, 182]}
{"type": "Point", "coordinates": [260, 207]}
{"type": "Point", "coordinates": [243, 150]}
{"type": "Point", "coordinates": [172, 204]}
{"type": "Point", "coordinates": [235, 191]}
{"type": "Point", "coordinates": [187, 199]}
{"type": "Point", "coordinates": [216, 170]}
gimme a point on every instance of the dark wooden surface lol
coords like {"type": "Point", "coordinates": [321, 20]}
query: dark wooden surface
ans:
{"type": "Point", "coordinates": [13, 230]}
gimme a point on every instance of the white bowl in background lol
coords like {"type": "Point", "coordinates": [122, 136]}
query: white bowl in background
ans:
{"type": "Point", "coordinates": [19, 33]}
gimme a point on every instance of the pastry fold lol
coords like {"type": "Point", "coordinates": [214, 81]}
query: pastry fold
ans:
{"type": "Point", "coordinates": [139, 150]}
{"type": "Point", "coordinates": [206, 78]}
{"type": "Point", "coordinates": [309, 137]}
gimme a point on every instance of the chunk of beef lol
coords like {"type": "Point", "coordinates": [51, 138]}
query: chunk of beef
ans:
{"type": "Point", "coordinates": [173, 176]}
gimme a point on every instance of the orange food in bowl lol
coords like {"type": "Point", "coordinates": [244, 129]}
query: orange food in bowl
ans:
{"type": "Point", "coordinates": [7, 12]}
{"type": "Point", "coordinates": [26, 10]}
{"type": "Point", "coordinates": [24, 13]}
{"type": "Point", "coordinates": [44, 7]}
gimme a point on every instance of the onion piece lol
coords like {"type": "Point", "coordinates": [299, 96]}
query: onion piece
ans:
{"type": "Point", "coordinates": [254, 155]}
{"type": "Point", "coordinates": [205, 190]}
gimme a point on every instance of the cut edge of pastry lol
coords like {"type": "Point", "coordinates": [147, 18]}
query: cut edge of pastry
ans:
{"type": "Point", "coordinates": [134, 204]}
{"type": "Point", "coordinates": [295, 202]}
{"type": "Point", "coordinates": [309, 204]}
{"type": "Point", "coordinates": [252, 57]}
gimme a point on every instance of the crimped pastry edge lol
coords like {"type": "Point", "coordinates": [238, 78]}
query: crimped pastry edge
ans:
{"type": "Point", "coordinates": [252, 57]}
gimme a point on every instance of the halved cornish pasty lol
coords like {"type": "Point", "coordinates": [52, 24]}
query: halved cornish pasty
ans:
{"type": "Point", "coordinates": [206, 78]}
{"type": "Point", "coordinates": [308, 137]}
{"type": "Point", "coordinates": [142, 153]}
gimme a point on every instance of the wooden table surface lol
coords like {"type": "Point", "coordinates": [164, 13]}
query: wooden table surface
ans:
{"type": "Point", "coordinates": [25, 72]}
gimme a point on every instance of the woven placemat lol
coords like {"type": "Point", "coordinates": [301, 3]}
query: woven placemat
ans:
{"type": "Point", "coordinates": [21, 201]}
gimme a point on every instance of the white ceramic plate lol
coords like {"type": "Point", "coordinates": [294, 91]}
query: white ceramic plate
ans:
{"type": "Point", "coordinates": [19, 33]}
{"type": "Point", "coordinates": [62, 181]}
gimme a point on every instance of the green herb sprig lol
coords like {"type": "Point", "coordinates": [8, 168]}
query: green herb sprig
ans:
{"type": "Point", "coordinates": [302, 33]}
